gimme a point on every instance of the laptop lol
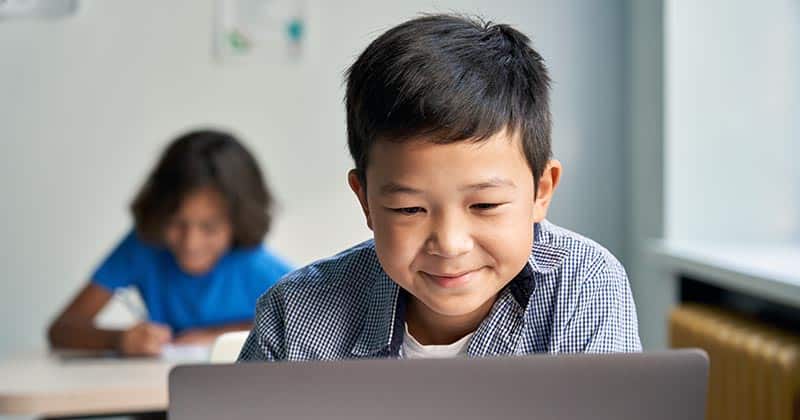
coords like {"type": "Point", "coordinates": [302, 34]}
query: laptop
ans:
{"type": "Point", "coordinates": [653, 386]}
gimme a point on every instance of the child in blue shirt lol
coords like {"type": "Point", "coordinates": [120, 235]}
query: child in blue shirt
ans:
{"type": "Point", "coordinates": [195, 255]}
{"type": "Point", "coordinates": [448, 123]}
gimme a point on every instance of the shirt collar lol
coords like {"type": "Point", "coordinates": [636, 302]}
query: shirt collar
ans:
{"type": "Point", "coordinates": [385, 306]}
{"type": "Point", "coordinates": [546, 256]}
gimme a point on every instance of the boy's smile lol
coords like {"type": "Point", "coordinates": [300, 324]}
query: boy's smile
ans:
{"type": "Point", "coordinates": [453, 223]}
{"type": "Point", "coordinates": [452, 280]}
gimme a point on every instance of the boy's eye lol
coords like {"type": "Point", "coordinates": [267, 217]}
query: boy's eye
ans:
{"type": "Point", "coordinates": [408, 210]}
{"type": "Point", "coordinates": [210, 227]}
{"type": "Point", "coordinates": [486, 206]}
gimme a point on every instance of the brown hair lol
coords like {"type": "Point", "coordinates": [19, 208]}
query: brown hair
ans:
{"type": "Point", "coordinates": [205, 159]}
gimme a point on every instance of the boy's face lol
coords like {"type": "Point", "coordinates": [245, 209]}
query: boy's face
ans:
{"type": "Point", "coordinates": [453, 223]}
{"type": "Point", "coordinates": [200, 232]}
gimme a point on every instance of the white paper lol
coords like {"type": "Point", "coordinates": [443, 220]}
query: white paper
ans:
{"type": "Point", "coordinates": [185, 353]}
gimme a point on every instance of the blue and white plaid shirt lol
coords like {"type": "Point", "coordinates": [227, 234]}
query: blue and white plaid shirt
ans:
{"type": "Point", "coordinates": [572, 296]}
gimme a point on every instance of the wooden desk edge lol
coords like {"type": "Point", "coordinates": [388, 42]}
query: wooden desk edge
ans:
{"type": "Point", "coordinates": [137, 401]}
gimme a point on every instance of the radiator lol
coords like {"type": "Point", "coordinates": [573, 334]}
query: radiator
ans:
{"type": "Point", "coordinates": [755, 371]}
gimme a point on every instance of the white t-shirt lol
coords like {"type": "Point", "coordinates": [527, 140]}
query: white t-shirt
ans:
{"type": "Point", "coordinates": [412, 349]}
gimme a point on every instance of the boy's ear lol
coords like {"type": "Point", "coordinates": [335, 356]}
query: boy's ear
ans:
{"type": "Point", "coordinates": [545, 189]}
{"type": "Point", "coordinates": [361, 193]}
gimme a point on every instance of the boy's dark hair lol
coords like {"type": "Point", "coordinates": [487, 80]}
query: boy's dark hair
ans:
{"type": "Point", "coordinates": [205, 159]}
{"type": "Point", "coordinates": [452, 78]}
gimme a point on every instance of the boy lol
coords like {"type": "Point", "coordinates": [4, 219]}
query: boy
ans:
{"type": "Point", "coordinates": [449, 126]}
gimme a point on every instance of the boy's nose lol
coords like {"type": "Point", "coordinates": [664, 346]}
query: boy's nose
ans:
{"type": "Point", "coordinates": [450, 237]}
{"type": "Point", "coordinates": [192, 239]}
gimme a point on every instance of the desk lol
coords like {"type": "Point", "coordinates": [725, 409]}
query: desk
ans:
{"type": "Point", "coordinates": [767, 271]}
{"type": "Point", "coordinates": [59, 385]}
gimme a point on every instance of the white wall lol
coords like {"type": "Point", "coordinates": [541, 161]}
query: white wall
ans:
{"type": "Point", "coordinates": [732, 124]}
{"type": "Point", "coordinates": [87, 103]}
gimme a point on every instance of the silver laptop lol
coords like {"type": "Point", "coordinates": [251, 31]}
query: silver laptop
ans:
{"type": "Point", "coordinates": [653, 386]}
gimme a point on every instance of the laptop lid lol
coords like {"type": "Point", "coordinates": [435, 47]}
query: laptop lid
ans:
{"type": "Point", "coordinates": [653, 386]}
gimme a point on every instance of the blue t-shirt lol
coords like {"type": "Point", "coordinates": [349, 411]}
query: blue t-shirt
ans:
{"type": "Point", "coordinates": [227, 294]}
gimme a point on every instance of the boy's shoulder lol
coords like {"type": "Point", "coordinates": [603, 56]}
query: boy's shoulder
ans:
{"type": "Point", "coordinates": [558, 247]}
{"type": "Point", "coordinates": [335, 300]}
{"type": "Point", "coordinates": [257, 261]}
{"type": "Point", "coordinates": [344, 277]}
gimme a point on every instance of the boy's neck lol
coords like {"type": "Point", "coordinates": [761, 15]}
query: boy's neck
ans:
{"type": "Point", "coordinates": [431, 328]}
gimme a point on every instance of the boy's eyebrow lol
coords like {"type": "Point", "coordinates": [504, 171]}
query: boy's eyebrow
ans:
{"type": "Point", "coordinates": [491, 183]}
{"type": "Point", "coordinates": [496, 182]}
{"type": "Point", "coordinates": [395, 188]}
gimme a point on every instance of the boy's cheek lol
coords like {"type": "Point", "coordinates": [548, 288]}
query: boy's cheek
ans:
{"type": "Point", "coordinates": [399, 242]}
{"type": "Point", "coordinates": [397, 246]}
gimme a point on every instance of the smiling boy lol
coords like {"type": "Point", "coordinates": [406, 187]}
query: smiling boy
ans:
{"type": "Point", "coordinates": [449, 127]}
